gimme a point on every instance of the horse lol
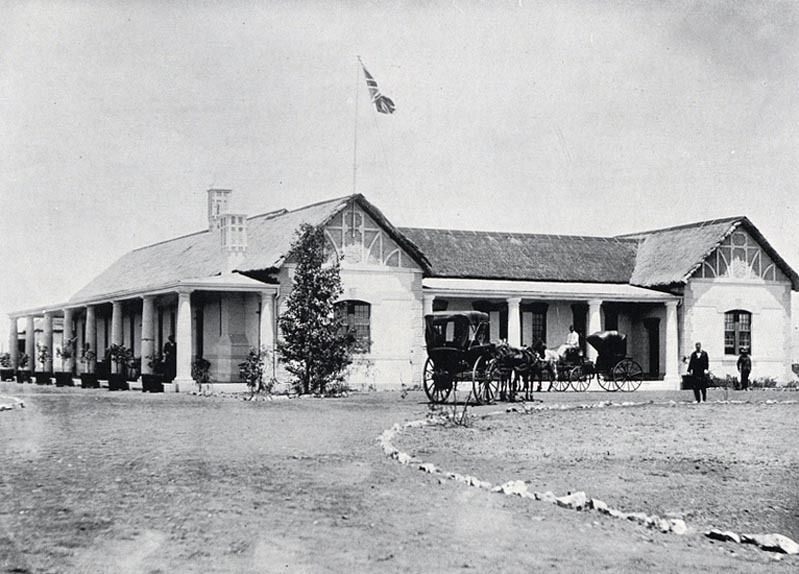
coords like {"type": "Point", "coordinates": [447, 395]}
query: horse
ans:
{"type": "Point", "coordinates": [515, 363]}
{"type": "Point", "coordinates": [547, 362]}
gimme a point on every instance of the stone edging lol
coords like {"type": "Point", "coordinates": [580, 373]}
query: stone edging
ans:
{"type": "Point", "coordinates": [5, 405]}
{"type": "Point", "coordinates": [578, 500]}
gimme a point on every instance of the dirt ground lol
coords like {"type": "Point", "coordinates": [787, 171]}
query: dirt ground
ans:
{"type": "Point", "coordinates": [92, 481]}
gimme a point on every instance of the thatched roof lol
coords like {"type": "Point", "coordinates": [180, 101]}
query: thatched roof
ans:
{"type": "Point", "coordinates": [499, 255]}
{"type": "Point", "coordinates": [670, 256]}
{"type": "Point", "coordinates": [198, 255]}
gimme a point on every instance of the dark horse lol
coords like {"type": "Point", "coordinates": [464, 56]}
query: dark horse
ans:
{"type": "Point", "coordinates": [546, 362]}
{"type": "Point", "coordinates": [514, 364]}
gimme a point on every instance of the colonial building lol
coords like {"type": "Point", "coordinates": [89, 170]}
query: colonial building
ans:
{"type": "Point", "coordinates": [219, 292]}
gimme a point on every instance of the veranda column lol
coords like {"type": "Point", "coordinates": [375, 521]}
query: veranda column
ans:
{"type": "Point", "coordinates": [116, 329]}
{"type": "Point", "coordinates": [183, 381]}
{"type": "Point", "coordinates": [593, 324]}
{"type": "Point", "coordinates": [30, 342]}
{"type": "Point", "coordinates": [91, 338]}
{"type": "Point", "coordinates": [267, 327]}
{"type": "Point", "coordinates": [147, 334]}
{"type": "Point", "coordinates": [514, 322]}
{"type": "Point", "coordinates": [672, 367]}
{"type": "Point", "coordinates": [427, 304]}
{"type": "Point", "coordinates": [68, 364]}
{"type": "Point", "coordinates": [13, 346]}
{"type": "Point", "coordinates": [80, 326]}
{"type": "Point", "coordinates": [48, 341]}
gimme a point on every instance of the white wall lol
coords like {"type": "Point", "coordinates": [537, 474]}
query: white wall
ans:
{"type": "Point", "coordinates": [706, 301]}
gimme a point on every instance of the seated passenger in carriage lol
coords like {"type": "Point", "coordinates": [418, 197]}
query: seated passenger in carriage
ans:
{"type": "Point", "coordinates": [571, 349]}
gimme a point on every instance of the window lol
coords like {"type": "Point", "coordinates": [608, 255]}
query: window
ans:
{"type": "Point", "coordinates": [737, 332]}
{"type": "Point", "coordinates": [356, 317]}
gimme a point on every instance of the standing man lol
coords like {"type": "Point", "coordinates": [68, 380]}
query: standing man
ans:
{"type": "Point", "coordinates": [744, 367]}
{"type": "Point", "coordinates": [698, 369]}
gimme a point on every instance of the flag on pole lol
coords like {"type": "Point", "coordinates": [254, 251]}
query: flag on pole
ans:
{"type": "Point", "coordinates": [383, 104]}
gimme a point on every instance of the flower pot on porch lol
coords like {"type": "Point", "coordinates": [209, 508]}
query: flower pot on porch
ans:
{"type": "Point", "coordinates": [89, 381]}
{"type": "Point", "coordinates": [23, 376]}
{"type": "Point", "coordinates": [6, 374]}
{"type": "Point", "coordinates": [43, 378]}
{"type": "Point", "coordinates": [63, 379]}
{"type": "Point", "coordinates": [117, 382]}
{"type": "Point", "coordinates": [152, 383]}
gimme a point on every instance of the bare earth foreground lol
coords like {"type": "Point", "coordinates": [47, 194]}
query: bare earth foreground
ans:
{"type": "Point", "coordinates": [92, 481]}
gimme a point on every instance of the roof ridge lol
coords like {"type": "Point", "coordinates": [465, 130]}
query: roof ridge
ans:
{"type": "Point", "coordinates": [682, 226]}
{"type": "Point", "coordinates": [518, 233]}
{"type": "Point", "coordinates": [168, 240]}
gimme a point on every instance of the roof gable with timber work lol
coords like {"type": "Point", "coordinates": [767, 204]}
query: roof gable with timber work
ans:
{"type": "Point", "coordinates": [198, 255]}
{"type": "Point", "coordinates": [673, 255]}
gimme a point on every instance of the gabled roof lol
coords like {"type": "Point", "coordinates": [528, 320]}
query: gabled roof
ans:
{"type": "Point", "coordinates": [269, 238]}
{"type": "Point", "coordinates": [671, 255]}
{"type": "Point", "coordinates": [500, 255]}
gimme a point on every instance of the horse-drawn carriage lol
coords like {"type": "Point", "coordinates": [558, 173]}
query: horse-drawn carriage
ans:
{"type": "Point", "coordinates": [457, 348]}
{"type": "Point", "coordinates": [613, 370]}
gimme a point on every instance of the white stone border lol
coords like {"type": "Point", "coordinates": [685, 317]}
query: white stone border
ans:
{"type": "Point", "coordinates": [15, 403]}
{"type": "Point", "coordinates": [579, 500]}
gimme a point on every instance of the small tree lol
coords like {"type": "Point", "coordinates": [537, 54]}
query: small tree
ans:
{"type": "Point", "coordinates": [5, 360]}
{"type": "Point", "coordinates": [251, 371]}
{"type": "Point", "coordinates": [315, 348]}
{"type": "Point", "coordinates": [66, 351]}
{"type": "Point", "coordinates": [87, 357]}
{"type": "Point", "coordinates": [43, 354]}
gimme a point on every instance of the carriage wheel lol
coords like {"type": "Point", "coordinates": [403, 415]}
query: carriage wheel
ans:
{"type": "Point", "coordinates": [628, 375]}
{"type": "Point", "coordinates": [437, 383]}
{"type": "Point", "coordinates": [561, 381]}
{"type": "Point", "coordinates": [485, 380]}
{"type": "Point", "coordinates": [606, 382]}
{"type": "Point", "coordinates": [578, 379]}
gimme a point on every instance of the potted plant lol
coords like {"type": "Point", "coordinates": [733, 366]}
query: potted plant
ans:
{"type": "Point", "coordinates": [200, 372]}
{"type": "Point", "coordinates": [66, 352]}
{"type": "Point", "coordinates": [153, 382]}
{"type": "Point", "coordinates": [44, 356]}
{"type": "Point", "coordinates": [23, 373]}
{"type": "Point", "coordinates": [6, 370]}
{"type": "Point", "coordinates": [88, 378]}
{"type": "Point", "coordinates": [122, 357]}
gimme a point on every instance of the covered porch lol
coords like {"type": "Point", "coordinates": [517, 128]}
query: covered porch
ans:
{"type": "Point", "coordinates": [522, 312]}
{"type": "Point", "coordinates": [218, 318]}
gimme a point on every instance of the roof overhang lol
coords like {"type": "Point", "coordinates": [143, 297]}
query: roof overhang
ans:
{"type": "Point", "coordinates": [543, 290]}
{"type": "Point", "coordinates": [231, 282]}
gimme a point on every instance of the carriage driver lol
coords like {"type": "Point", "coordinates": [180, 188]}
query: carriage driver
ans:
{"type": "Point", "coordinates": [572, 345]}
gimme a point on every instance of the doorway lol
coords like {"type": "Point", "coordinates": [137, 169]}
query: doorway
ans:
{"type": "Point", "coordinates": [652, 327]}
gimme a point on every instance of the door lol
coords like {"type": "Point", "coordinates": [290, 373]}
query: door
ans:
{"type": "Point", "coordinates": [652, 327]}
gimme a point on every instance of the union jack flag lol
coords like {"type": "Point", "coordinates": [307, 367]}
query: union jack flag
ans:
{"type": "Point", "coordinates": [383, 104]}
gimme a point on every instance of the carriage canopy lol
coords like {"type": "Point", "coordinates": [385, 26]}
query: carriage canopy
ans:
{"type": "Point", "coordinates": [457, 330]}
{"type": "Point", "coordinates": [608, 343]}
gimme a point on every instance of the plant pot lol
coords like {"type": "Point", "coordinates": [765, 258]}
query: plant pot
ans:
{"type": "Point", "coordinates": [63, 379]}
{"type": "Point", "coordinates": [89, 381]}
{"type": "Point", "coordinates": [117, 382]}
{"type": "Point", "coordinates": [43, 378]}
{"type": "Point", "coordinates": [23, 376]}
{"type": "Point", "coordinates": [6, 374]}
{"type": "Point", "coordinates": [152, 383]}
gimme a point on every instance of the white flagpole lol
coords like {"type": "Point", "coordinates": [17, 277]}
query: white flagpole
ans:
{"type": "Point", "coordinates": [355, 130]}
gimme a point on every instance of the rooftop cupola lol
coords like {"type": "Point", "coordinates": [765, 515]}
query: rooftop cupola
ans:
{"type": "Point", "coordinates": [233, 238]}
{"type": "Point", "coordinates": [218, 205]}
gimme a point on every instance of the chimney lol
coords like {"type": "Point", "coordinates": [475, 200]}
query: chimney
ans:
{"type": "Point", "coordinates": [218, 205]}
{"type": "Point", "coordinates": [233, 238]}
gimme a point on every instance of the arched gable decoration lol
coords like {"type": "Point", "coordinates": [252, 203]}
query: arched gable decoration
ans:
{"type": "Point", "coordinates": [355, 238]}
{"type": "Point", "coordinates": [740, 257]}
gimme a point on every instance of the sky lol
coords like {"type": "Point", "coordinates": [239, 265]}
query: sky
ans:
{"type": "Point", "coordinates": [589, 118]}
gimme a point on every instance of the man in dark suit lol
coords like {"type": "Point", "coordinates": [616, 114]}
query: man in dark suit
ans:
{"type": "Point", "coordinates": [698, 368]}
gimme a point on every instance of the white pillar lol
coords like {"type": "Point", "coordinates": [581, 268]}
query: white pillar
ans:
{"type": "Point", "coordinates": [13, 345]}
{"type": "Point", "coordinates": [672, 367]}
{"type": "Point", "coordinates": [30, 342]}
{"type": "Point", "coordinates": [427, 304]}
{"type": "Point", "coordinates": [91, 338]}
{"type": "Point", "coordinates": [183, 381]}
{"type": "Point", "coordinates": [68, 364]}
{"type": "Point", "coordinates": [48, 341]}
{"type": "Point", "coordinates": [80, 323]}
{"type": "Point", "coordinates": [116, 329]}
{"type": "Point", "coordinates": [514, 322]}
{"type": "Point", "coordinates": [147, 334]}
{"type": "Point", "coordinates": [593, 324]}
{"type": "Point", "coordinates": [268, 328]}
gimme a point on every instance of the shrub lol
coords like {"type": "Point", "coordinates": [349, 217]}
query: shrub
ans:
{"type": "Point", "coordinates": [22, 360]}
{"type": "Point", "coordinates": [5, 360]}
{"type": "Point", "coordinates": [764, 383]}
{"type": "Point", "coordinates": [251, 371]}
{"type": "Point", "coordinates": [43, 354]}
